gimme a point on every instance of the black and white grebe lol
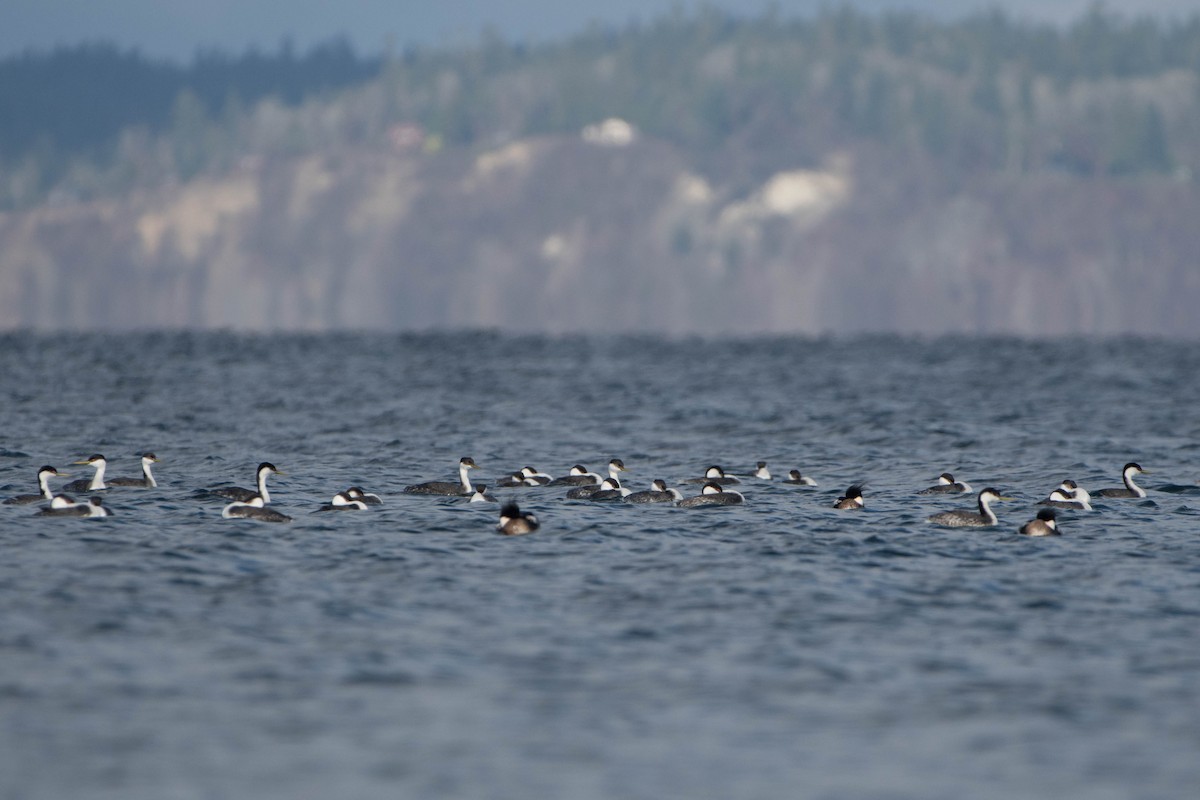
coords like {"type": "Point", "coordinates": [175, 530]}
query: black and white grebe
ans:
{"type": "Point", "coordinates": [947, 485]}
{"type": "Point", "coordinates": [447, 488]}
{"type": "Point", "coordinates": [253, 508]}
{"type": "Point", "coordinates": [985, 517]}
{"type": "Point", "coordinates": [146, 481]}
{"type": "Point", "coordinates": [713, 494]}
{"type": "Point", "coordinates": [94, 507]}
{"type": "Point", "coordinates": [43, 478]}
{"type": "Point", "coordinates": [1069, 495]}
{"type": "Point", "coordinates": [240, 495]}
{"type": "Point", "coordinates": [658, 492]}
{"type": "Point", "coordinates": [94, 483]}
{"type": "Point", "coordinates": [1131, 489]}
{"type": "Point", "coordinates": [796, 478]}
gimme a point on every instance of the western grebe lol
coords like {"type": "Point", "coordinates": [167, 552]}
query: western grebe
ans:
{"type": "Point", "coordinates": [447, 488]}
{"type": "Point", "coordinates": [360, 494]}
{"type": "Point", "coordinates": [1069, 495]}
{"type": "Point", "coordinates": [343, 501]}
{"type": "Point", "coordinates": [254, 508]}
{"type": "Point", "coordinates": [240, 495]}
{"type": "Point", "coordinates": [852, 500]}
{"type": "Point", "coordinates": [713, 494]}
{"type": "Point", "coordinates": [525, 476]}
{"type": "Point", "coordinates": [578, 476]}
{"type": "Point", "coordinates": [610, 489]}
{"type": "Point", "coordinates": [761, 472]}
{"type": "Point", "coordinates": [481, 496]}
{"type": "Point", "coordinates": [43, 478]}
{"type": "Point", "coordinates": [513, 481]}
{"type": "Point", "coordinates": [532, 477]}
{"type": "Point", "coordinates": [518, 479]}
{"type": "Point", "coordinates": [1044, 525]}
{"type": "Point", "coordinates": [657, 493]}
{"type": "Point", "coordinates": [92, 508]}
{"type": "Point", "coordinates": [794, 477]}
{"type": "Point", "coordinates": [969, 519]}
{"type": "Point", "coordinates": [146, 481]}
{"type": "Point", "coordinates": [513, 522]}
{"type": "Point", "coordinates": [1131, 489]}
{"type": "Point", "coordinates": [714, 474]}
{"type": "Point", "coordinates": [94, 483]}
{"type": "Point", "coordinates": [585, 491]}
{"type": "Point", "coordinates": [947, 485]}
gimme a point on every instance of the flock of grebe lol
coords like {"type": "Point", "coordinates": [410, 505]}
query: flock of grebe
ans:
{"type": "Point", "coordinates": [581, 484]}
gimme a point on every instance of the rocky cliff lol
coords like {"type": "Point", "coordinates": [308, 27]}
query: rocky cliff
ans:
{"type": "Point", "coordinates": [572, 233]}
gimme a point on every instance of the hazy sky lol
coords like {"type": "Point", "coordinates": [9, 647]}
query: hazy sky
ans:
{"type": "Point", "coordinates": [177, 28]}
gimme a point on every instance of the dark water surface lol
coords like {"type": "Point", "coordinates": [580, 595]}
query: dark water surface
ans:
{"type": "Point", "coordinates": [778, 649]}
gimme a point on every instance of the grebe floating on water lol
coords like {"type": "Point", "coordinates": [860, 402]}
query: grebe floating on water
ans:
{"type": "Point", "coordinates": [761, 472]}
{"type": "Point", "coordinates": [713, 494]}
{"type": "Point", "coordinates": [578, 476]}
{"type": "Point", "coordinates": [947, 485]}
{"type": "Point", "coordinates": [610, 489]}
{"type": "Point", "coordinates": [343, 501]}
{"type": "Point", "coordinates": [513, 481]}
{"type": "Point", "coordinates": [586, 490]}
{"type": "Point", "coordinates": [531, 477]}
{"type": "Point", "coordinates": [447, 488]}
{"type": "Point", "coordinates": [59, 508]}
{"type": "Point", "coordinates": [525, 476]}
{"type": "Point", "coordinates": [146, 481]}
{"type": "Point", "coordinates": [254, 508]}
{"type": "Point", "coordinates": [363, 496]}
{"type": "Point", "coordinates": [1131, 489]}
{"type": "Point", "coordinates": [94, 483]}
{"type": "Point", "coordinates": [1069, 495]}
{"type": "Point", "coordinates": [657, 493]}
{"type": "Point", "coordinates": [43, 478]}
{"type": "Point", "coordinates": [513, 522]}
{"type": "Point", "coordinates": [969, 519]}
{"type": "Point", "coordinates": [852, 500]}
{"type": "Point", "coordinates": [794, 477]}
{"type": "Point", "coordinates": [240, 495]}
{"type": "Point", "coordinates": [1044, 525]}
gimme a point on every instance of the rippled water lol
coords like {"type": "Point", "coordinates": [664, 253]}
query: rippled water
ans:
{"type": "Point", "coordinates": [778, 649]}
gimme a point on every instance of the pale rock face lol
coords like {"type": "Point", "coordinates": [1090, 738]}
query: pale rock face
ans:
{"type": "Point", "coordinates": [196, 214]}
{"type": "Point", "coordinates": [805, 195]}
{"type": "Point", "coordinates": [556, 234]}
{"type": "Point", "coordinates": [508, 162]}
{"type": "Point", "coordinates": [612, 132]}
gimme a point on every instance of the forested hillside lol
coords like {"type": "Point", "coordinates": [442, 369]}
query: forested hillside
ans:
{"type": "Point", "coordinates": [835, 173]}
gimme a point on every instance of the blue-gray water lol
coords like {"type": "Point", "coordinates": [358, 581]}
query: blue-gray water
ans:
{"type": "Point", "coordinates": [778, 649]}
